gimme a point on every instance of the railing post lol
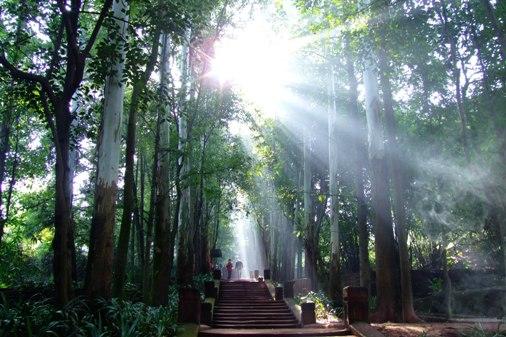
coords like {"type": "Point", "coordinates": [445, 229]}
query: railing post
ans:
{"type": "Point", "coordinates": [217, 274]}
{"type": "Point", "coordinates": [209, 289]}
{"type": "Point", "coordinates": [257, 273]}
{"type": "Point", "coordinates": [288, 288]}
{"type": "Point", "coordinates": [206, 316]}
{"type": "Point", "coordinates": [279, 293]}
{"type": "Point", "coordinates": [267, 274]}
{"type": "Point", "coordinates": [308, 315]}
{"type": "Point", "coordinates": [189, 306]}
{"type": "Point", "coordinates": [356, 304]}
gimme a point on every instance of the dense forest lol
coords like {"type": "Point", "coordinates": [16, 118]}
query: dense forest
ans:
{"type": "Point", "coordinates": [363, 140]}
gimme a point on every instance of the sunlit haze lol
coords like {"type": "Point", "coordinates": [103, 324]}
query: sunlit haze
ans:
{"type": "Point", "coordinates": [255, 60]}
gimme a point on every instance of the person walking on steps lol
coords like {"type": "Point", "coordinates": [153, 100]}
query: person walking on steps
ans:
{"type": "Point", "coordinates": [238, 268]}
{"type": "Point", "coordinates": [229, 267]}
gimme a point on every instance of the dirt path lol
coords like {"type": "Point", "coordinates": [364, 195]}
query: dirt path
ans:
{"type": "Point", "coordinates": [434, 329]}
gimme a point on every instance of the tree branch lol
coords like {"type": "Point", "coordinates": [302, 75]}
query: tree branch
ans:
{"type": "Point", "coordinates": [28, 77]}
{"type": "Point", "coordinates": [98, 25]}
{"type": "Point", "coordinates": [55, 58]}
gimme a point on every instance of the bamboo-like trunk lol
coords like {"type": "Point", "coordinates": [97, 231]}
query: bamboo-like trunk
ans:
{"type": "Point", "coordinates": [161, 268]}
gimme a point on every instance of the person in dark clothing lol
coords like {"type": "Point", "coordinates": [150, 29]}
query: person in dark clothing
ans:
{"type": "Point", "coordinates": [229, 269]}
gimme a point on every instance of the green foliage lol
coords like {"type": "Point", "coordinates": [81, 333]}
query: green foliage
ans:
{"type": "Point", "coordinates": [79, 318]}
{"type": "Point", "coordinates": [436, 285]}
{"type": "Point", "coordinates": [480, 331]}
{"type": "Point", "coordinates": [323, 305]}
{"type": "Point", "coordinates": [199, 280]}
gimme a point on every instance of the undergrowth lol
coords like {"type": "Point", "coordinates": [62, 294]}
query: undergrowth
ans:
{"type": "Point", "coordinates": [479, 331]}
{"type": "Point", "coordinates": [114, 318]}
{"type": "Point", "coordinates": [323, 305]}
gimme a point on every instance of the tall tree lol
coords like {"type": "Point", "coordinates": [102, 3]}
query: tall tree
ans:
{"type": "Point", "coordinates": [310, 243]}
{"type": "Point", "coordinates": [383, 230]}
{"type": "Point", "coordinates": [335, 258]}
{"type": "Point", "coordinates": [100, 255]}
{"type": "Point", "coordinates": [161, 267]}
{"type": "Point", "coordinates": [359, 166]}
{"type": "Point", "coordinates": [56, 91]}
{"type": "Point", "coordinates": [129, 195]}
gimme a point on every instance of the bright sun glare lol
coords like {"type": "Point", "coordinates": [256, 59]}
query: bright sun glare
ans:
{"type": "Point", "coordinates": [256, 61]}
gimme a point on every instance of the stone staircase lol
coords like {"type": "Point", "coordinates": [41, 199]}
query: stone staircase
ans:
{"type": "Point", "coordinates": [244, 304]}
{"type": "Point", "coordinates": [246, 308]}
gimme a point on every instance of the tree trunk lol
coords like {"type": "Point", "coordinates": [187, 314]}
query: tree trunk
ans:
{"type": "Point", "coordinates": [309, 242]}
{"type": "Point", "coordinates": [187, 231]}
{"type": "Point", "coordinates": [383, 232]}
{"type": "Point", "coordinates": [129, 198]}
{"type": "Point", "coordinates": [335, 259]}
{"type": "Point", "coordinates": [359, 165]}
{"type": "Point", "coordinates": [5, 130]}
{"type": "Point", "coordinates": [161, 271]}
{"type": "Point", "coordinates": [454, 69]}
{"type": "Point", "coordinates": [148, 272]}
{"type": "Point", "coordinates": [100, 256]}
{"type": "Point", "coordinates": [13, 177]}
{"type": "Point", "coordinates": [62, 260]}
{"type": "Point", "coordinates": [398, 181]}
{"type": "Point", "coordinates": [448, 292]}
{"type": "Point", "coordinates": [300, 268]}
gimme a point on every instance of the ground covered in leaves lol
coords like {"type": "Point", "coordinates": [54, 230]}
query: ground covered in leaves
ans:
{"type": "Point", "coordinates": [484, 329]}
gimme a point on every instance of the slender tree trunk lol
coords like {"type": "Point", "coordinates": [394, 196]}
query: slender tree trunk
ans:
{"type": "Point", "coordinates": [5, 131]}
{"type": "Point", "coordinates": [187, 232]}
{"type": "Point", "coordinates": [300, 268]}
{"type": "Point", "coordinates": [148, 272]}
{"type": "Point", "coordinates": [455, 71]}
{"type": "Point", "coordinates": [161, 271]}
{"type": "Point", "coordinates": [309, 242]}
{"type": "Point", "coordinates": [140, 211]}
{"type": "Point", "coordinates": [383, 231]}
{"type": "Point", "coordinates": [335, 259]}
{"type": "Point", "coordinates": [62, 260]}
{"type": "Point", "coordinates": [448, 292]}
{"type": "Point", "coordinates": [398, 182]}
{"type": "Point", "coordinates": [359, 165]}
{"type": "Point", "coordinates": [300, 242]}
{"type": "Point", "coordinates": [13, 177]}
{"type": "Point", "coordinates": [129, 198]}
{"type": "Point", "coordinates": [138, 225]}
{"type": "Point", "coordinates": [100, 256]}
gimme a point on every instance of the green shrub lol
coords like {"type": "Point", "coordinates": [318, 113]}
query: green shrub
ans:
{"type": "Point", "coordinates": [479, 331]}
{"type": "Point", "coordinates": [323, 305]}
{"type": "Point", "coordinates": [115, 318]}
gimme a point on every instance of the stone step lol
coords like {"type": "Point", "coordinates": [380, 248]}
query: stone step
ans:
{"type": "Point", "coordinates": [256, 302]}
{"type": "Point", "coordinates": [302, 332]}
{"type": "Point", "coordinates": [254, 313]}
{"type": "Point", "coordinates": [259, 310]}
{"type": "Point", "coordinates": [252, 307]}
{"type": "Point", "coordinates": [264, 313]}
{"type": "Point", "coordinates": [286, 316]}
{"type": "Point", "coordinates": [255, 326]}
{"type": "Point", "coordinates": [255, 321]}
